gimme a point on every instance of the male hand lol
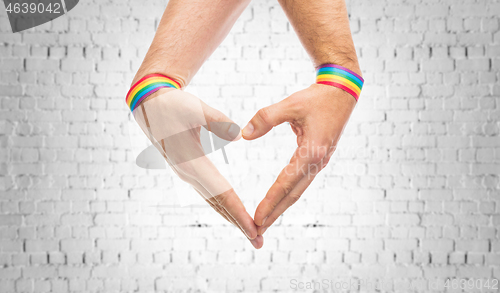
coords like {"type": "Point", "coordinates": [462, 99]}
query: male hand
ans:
{"type": "Point", "coordinates": [172, 120]}
{"type": "Point", "coordinates": [317, 116]}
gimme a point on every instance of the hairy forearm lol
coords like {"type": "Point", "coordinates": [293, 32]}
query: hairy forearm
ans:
{"type": "Point", "coordinates": [323, 28]}
{"type": "Point", "coordinates": [188, 33]}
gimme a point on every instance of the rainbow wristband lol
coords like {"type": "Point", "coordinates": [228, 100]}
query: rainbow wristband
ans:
{"type": "Point", "coordinates": [341, 77]}
{"type": "Point", "coordinates": [146, 86]}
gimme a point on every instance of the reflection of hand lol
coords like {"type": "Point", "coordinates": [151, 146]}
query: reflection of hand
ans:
{"type": "Point", "coordinates": [317, 115]}
{"type": "Point", "coordinates": [172, 120]}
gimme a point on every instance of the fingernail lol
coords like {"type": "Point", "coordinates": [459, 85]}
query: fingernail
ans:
{"type": "Point", "coordinates": [264, 221]}
{"type": "Point", "coordinates": [248, 130]}
{"type": "Point", "coordinates": [254, 243]}
{"type": "Point", "coordinates": [248, 235]}
{"type": "Point", "coordinates": [263, 231]}
{"type": "Point", "coordinates": [233, 131]}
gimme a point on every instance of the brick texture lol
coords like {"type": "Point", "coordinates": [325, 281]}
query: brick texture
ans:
{"type": "Point", "coordinates": [411, 194]}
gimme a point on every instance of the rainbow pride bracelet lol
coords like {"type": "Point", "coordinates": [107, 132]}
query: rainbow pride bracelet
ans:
{"type": "Point", "coordinates": [146, 86]}
{"type": "Point", "coordinates": [341, 77]}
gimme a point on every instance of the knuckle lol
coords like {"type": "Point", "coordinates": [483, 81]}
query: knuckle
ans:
{"type": "Point", "coordinates": [315, 159]}
{"type": "Point", "coordinates": [265, 115]}
{"type": "Point", "coordinates": [318, 154]}
{"type": "Point", "coordinates": [322, 151]}
{"type": "Point", "coordinates": [220, 200]}
{"type": "Point", "coordinates": [325, 162]}
{"type": "Point", "coordinates": [263, 207]}
{"type": "Point", "coordinates": [285, 188]}
{"type": "Point", "coordinates": [294, 197]}
{"type": "Point", "coordinates": [294, 104]}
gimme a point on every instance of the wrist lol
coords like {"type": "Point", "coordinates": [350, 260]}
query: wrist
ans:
{"type": "Point", "coordinates": [335, 95]}
{"type": "Point", "coordinates": [171, 73]}
{"type": "Point", "coordinates": [347, 60]}
{"type": "Point", "coordinates": [340, 77]}
{"type": "Point", "coordinates": [147, 86]}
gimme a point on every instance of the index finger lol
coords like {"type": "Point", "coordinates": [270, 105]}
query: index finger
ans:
{"type": "Point", "coordinates": [220, 192]}
{"type": "Point", "coordinates": [303, 158]}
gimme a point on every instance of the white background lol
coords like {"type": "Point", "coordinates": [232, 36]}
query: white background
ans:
{"type": "Point", "coordinates": [411, 194]}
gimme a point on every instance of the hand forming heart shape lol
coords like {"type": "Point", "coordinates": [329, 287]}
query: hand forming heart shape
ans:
{"type": "Point", "coordinates": [172, 120]}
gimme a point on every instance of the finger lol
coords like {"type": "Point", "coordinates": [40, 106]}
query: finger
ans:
{"type": "Point", "coordinates": [226, 202]}
{"type": "Point", "coordinates": [268, 117]}
{"type": "Point", "coordinates": [224, 214]}
{"type": "Point", "coordinates": [196, 186]}
{"type": "Point", "coordinates": [220, 124]}
{"type": "Point", "coordinates": [306, 156]}
{"type": "Point", "coordinates": [248, 227]}
{"type": "Point", "coordinates": [234, 208]}
{"type": "Point", "coordinates": [287, 202]}
{"type": "Point", "coordinates": [216, 188]}
{"type": "Point", "coordinates": [180, 150]}
{"type": "Point", "coordinates": [286, 181]}
{"type": "Point", "coordinates": [296, 192]}
{"type": "Point", "coordinates": [200, 192]}
{"type": "Point", "coordinates": [257, 243]}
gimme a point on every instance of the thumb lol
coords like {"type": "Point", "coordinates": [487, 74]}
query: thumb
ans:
{"type": "Point", "coordinates": [220, 124]}
{"type": "Point", "coordinates": [266, 118]}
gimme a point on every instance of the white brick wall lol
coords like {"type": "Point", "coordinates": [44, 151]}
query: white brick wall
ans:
{"type": "Point", "coordinates": [412, 194]}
